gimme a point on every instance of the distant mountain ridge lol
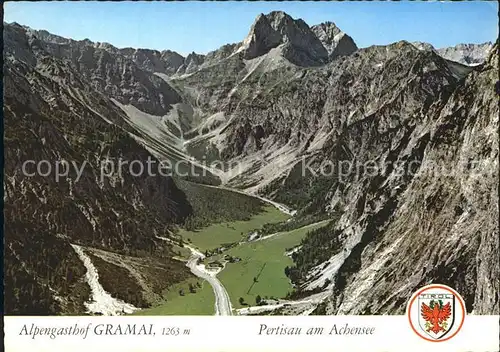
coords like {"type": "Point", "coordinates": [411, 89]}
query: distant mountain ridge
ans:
{"type": "Point", "coordinates": [334, 41]}
{"type": "Point", "coordinates": [466, 54]}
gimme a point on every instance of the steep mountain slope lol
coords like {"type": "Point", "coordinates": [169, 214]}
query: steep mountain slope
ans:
{"type": "Point", "coordinates": [52, 114]}
{"type": "Point", "coordinates": [468, 54]}
{"type": "Point", "coordinates": [443, 227]}
{"type": "Point", "coordinates": [83, 52]}
{"type": "Point", "coordinates": [166, 61]}
{"type": "Point", "coordinates": [110, 72]}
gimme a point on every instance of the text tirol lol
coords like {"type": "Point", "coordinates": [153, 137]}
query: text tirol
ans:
{"type": "Point", "coordinates": [336, 329]}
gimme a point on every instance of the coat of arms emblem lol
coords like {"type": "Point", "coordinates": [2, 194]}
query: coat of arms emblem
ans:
{"type": "Point", "coordinates": [436, 312]}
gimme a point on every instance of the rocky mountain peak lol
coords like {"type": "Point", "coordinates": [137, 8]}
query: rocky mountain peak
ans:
{"type": "Point", "coordinates": [298, 44]}
{"type": "Point", "coordinates": [172, 59]}
{"type": "Point", "coordinates": [278, 17]}
{"type": "Point", "coordinates": [327, 30]}
{"type": "Point", "coordinates": [261, 38]}
{"type": "Point", "coordinates": [423, 46]}
{"type": "Point", "coordinates": [336, 42]}
{"type": "Point", "coordinates": [191, 63]}
{"type": "Point", "coordinates": [281, 21]}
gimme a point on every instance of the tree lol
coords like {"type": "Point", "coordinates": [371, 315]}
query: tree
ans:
{"type": "Point", "coordinates": [258, 300]}
{"type": "Point", "coordinates": [254, 279]}
{"type": "Point", "coordinates": [242, 301]}
{"type": "Point", "coordinates": [192, 289]}
{"type": "Point", "coordinates": [181, 292]}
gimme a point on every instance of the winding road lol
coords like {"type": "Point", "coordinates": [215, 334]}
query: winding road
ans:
{"type": "Point", "coordinates": [222, 301]}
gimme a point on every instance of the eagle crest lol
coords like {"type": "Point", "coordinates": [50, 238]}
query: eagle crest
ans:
{"type": "Point", "coordinates": [436, 316]}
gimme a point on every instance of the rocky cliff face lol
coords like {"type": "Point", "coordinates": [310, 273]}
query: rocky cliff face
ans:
{"type": "Point", "coordinates": [296, 40]}
{"type": "Point", "coordinates": [336, 42]}
{"type": "Point", "coordinates": [192, 62]}
{"type": "Point", "coordinates": [308, 108]}
{"type": "Point", "coordinates": [441, 226]}
{"type": "Point", "coordinates": [166, 61]}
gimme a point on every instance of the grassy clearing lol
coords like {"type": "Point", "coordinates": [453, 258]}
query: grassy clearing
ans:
{"type": "Point", "coordinates": [214, 236]}
{"type": "Point", "coordinates": [200, 303]}
{"type": "Point", "coordinates": [266, 261]}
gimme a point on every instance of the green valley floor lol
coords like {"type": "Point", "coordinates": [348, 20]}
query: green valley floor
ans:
{"type": "Point", "coordinates": [250, 269]}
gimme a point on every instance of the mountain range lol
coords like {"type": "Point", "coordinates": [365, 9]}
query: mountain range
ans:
{"type": "Point", "coordinates": [467, 54]}
{"type": "Point", "coordinates": [297, 115]}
